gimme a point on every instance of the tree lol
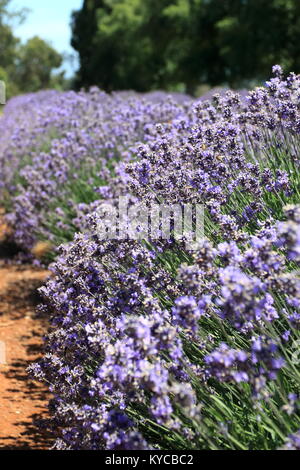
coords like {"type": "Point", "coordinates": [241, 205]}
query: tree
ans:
{"type": "Point", "coordinates": [35, 63]}
{"type": "Point", "coordinates": [25, 67]}
{"type": "Point", "coordinates": [144, 44]}
{"type": "Point", "coordinates": [8, 42]}
{"type": "Point", "coordinates": [121, 43]}
{"type": "Point", "coordinates": [8, 45]}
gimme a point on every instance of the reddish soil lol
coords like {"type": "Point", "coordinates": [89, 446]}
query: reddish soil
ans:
{"type": "Point", "coordinates": [22, 400]}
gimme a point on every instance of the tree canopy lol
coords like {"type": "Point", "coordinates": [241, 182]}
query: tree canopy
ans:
{"type": "Point", "coordinates": [146, 44]}
{"type": "Point", "coordinates": [25, 67]}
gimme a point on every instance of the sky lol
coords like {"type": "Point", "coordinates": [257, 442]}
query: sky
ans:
{"type": "Point", "coordinates": [49, 19]}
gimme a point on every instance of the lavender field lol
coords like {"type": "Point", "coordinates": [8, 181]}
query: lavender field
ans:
{"type": "Point", "coordinates": [153, 345]}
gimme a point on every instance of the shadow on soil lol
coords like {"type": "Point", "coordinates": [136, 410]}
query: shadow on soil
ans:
{"type": "Point", "coordinates": [8, 249]}
{"type": "Point", "coordinates": [21, 296]}
{"type": "Point", "coordinates": [35, 437]}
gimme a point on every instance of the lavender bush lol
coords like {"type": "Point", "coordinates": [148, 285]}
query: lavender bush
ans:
{"type": "Point", "coordinates": [153, 345]}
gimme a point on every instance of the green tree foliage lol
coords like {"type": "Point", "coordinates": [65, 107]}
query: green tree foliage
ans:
{"type": "Point", "coordinates": [121, 43]}
{"type": "Point", "coordinates": [25, 67]}
{"type": "Point", "coordinates": [144, 44]}
{"type": "Point", "coordinates": [35, 62]}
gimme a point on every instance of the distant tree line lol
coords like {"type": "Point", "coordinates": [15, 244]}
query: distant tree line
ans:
{"type": "Point", "coordinates": [148, 44]}
{"type": "Point", "coordinates": [26, 67]}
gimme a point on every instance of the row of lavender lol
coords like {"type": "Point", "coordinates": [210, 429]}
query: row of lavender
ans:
{"type": "Point", "coordinates": [58, 149]}
{"type": "Point", "coordinates": [153, 345]}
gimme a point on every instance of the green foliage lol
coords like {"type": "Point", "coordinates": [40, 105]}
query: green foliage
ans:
{"type": "Point", "coordinates": [122, 43]}
{"type": "Point", "coordinates": [34, 65]}
{"type": "Point", "coordinates": [148, 44]}
{"type": "Point", "coordinates": [25, 67]}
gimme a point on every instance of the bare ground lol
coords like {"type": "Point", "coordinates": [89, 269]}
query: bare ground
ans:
{"type": "Point", "coordinates": [22, 400]}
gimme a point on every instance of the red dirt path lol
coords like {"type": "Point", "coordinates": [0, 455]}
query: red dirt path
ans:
{"type": "Point", "coordinates": [21, 399]}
